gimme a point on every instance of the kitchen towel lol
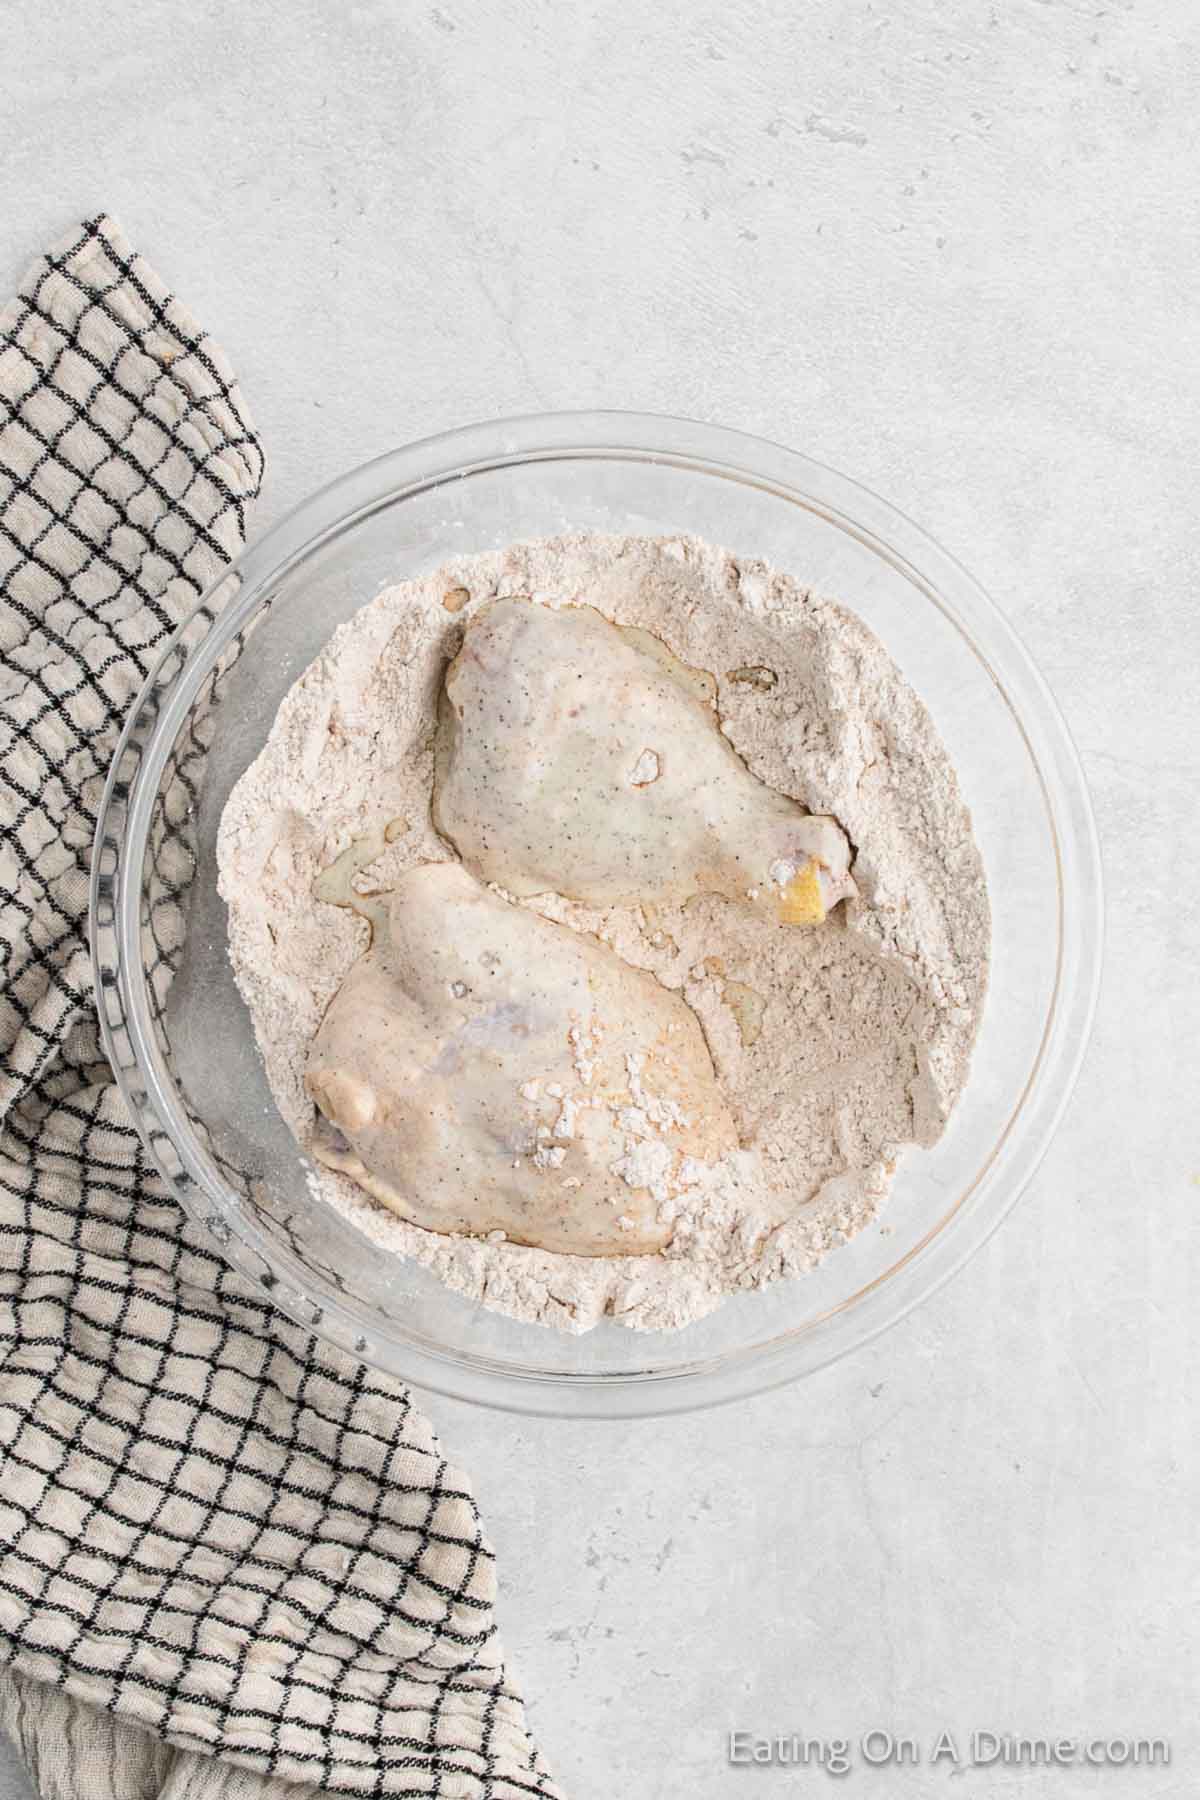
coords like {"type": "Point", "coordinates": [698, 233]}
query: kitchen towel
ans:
{"type": "Point", "coordinates": [213, 1528]}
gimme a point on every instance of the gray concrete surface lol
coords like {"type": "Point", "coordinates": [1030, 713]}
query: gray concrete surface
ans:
{"type": "Point", "coordinates": [13, 1782]}
{"type": "Point", "coordinates": [952, 249]}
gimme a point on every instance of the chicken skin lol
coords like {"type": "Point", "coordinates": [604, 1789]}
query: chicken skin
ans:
{"type": "Point", "coordinates": [579, 757]}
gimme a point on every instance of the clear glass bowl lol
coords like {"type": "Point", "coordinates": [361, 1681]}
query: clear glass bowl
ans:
{"type": "Point", "coordinates": [183, 1049]}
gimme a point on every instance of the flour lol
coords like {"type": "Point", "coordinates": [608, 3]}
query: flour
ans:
{"type": "Point", "coordinates": [835, 1046]}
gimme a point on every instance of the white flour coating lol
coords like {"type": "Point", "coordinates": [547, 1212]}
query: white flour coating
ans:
{"type": "Point", "coordinates": [835, 1045]}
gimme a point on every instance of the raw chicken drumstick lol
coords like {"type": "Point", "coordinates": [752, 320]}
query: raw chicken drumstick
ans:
{"type": "Point", "coordinates": [579, 757]}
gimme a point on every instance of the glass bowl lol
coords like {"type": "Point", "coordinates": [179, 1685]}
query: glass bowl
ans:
{"type": "Point", "coordinates": [179, 1036]}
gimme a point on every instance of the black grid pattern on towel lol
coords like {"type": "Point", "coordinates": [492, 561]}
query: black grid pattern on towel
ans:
{"type": "Point", "coordinates": [209, 1523]}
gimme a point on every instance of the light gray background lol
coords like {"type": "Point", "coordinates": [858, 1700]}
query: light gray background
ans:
{"type": "Point", "coordinates": [951, 249]}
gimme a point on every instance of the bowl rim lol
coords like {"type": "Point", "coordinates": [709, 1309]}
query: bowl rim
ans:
{"type": "Point", "coordinates": [193, 649]}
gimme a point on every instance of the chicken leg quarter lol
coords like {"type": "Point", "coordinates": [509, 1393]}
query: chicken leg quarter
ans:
{"type": "Point", "coordinates": [579, 757]}
{"type": "Point", "coordinates": [482, 1069]}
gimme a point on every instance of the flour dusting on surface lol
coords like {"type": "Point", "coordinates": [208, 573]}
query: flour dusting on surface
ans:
{"type": "Point", "coordinates": [834, 1046]}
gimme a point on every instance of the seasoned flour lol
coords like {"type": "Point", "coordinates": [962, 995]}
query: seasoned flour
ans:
{"type": "Point", "coordinates": [835, 1046]}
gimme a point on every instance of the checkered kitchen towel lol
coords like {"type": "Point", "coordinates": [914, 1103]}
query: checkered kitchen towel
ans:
{"type": "Point", "coordinates": [212, 1527]}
